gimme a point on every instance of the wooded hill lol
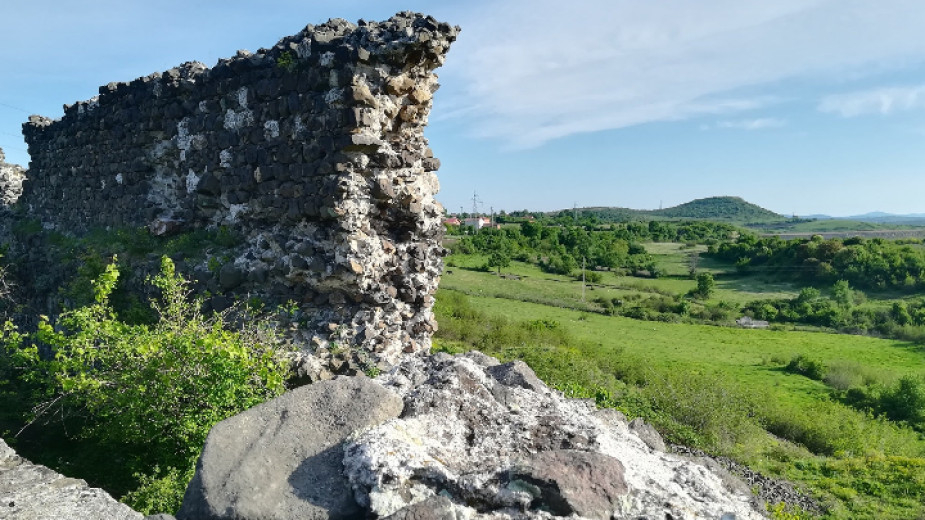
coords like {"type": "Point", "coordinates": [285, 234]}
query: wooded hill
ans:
{"type": "Point", "coordinates": [727, 209]}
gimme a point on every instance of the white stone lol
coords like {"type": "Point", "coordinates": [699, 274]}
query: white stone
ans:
{"type": "Point", "coordinates": [192, 181]}
{"type": "Point", "coordinates": [224, 158]}
{"type": "Point", "coordinates": [271, 129]}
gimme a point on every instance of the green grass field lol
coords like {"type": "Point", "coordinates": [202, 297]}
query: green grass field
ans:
{"type": "Point", "coordinates": [743, 354]}
{"type": "Point", "coordinates": [852, 462]}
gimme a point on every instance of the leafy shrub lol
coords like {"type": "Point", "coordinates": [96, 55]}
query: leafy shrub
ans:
{"type": "Point", "coordinates": [803, 365]}
{"type": "Point", "coordinates": [156, 389]}
{"type": "Point", "coordinates": [904, 401]}
{"type": "Point", "coordinates": [844, 375]}
{"type": "Point", "coordinates": [827, 427]}
{"type": "Point", "coordinates": [718, 410]}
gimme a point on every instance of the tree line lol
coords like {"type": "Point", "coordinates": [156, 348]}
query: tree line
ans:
{"type": "Point", "coordinates": [875, 264]}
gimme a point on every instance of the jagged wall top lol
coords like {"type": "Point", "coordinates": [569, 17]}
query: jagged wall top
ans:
{"type": "Point", "coordinates": [406, 40]}
{"type": "Point", "coordinates": [312, 149]}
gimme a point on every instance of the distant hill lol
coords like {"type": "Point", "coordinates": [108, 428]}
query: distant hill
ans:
{"type": "Point", "coordinates": [727, 209]}
{"type": "Point", "coordinates": [720, 208]}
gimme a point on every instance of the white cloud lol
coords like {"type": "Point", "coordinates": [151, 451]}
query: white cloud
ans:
{"type": "Point", "coordinates": [753, 124]}
{"type": "Point", "coordinates": [883, 101]}
{"type": "Point", "coordinates": [534, 71]}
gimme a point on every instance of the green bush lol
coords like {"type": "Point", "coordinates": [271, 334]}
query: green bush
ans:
{"type": "Point", "coordinates": [719, 411]}
{"type": "Point", "coordinates": [827, 427]}
{"type": "Point", "coordinates": [905, 401]}
{"type": "Point", "coordinates": [156, 390]}
{"type": "Point", "coordinates": [811, 368]}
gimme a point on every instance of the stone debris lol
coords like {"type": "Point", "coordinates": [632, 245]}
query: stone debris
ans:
{"type": "Point", "coordinates": [313, 150]}
{"type": "Point", "coordinates": [770, 490]}
{"type": "Point", "coordinates": [477, 441]}
{"type": "Point", "coordinates": [32, 492]}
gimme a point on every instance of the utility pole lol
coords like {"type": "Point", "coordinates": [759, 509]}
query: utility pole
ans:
{"type": "Point", "coordinates": [491, 219]}
{"type": "Point", "coordinates": [582, 279]}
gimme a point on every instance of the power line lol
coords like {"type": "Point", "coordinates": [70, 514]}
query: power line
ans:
{"type": "Point", "coordinates": [14, 108]}
{"type": "Point", "coordinates": [5, 147]}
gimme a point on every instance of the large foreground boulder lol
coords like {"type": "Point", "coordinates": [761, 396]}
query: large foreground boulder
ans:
{"type": "Point", "coordinates": [283, 459]}
{"type": "Point", "coordinates": [32, 492]}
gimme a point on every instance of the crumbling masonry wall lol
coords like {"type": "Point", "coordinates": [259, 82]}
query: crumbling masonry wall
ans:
{"type": "Point", "coordinates": [313, 149]}
{"type": "Point", "coordinates": [11, 177]}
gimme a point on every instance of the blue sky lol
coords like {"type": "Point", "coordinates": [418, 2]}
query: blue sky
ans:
{"type": "Point", "coordinates": [800, 106]}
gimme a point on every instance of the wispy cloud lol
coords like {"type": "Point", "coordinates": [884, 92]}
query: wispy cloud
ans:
{"type": "Point", "coordinates": [883, 101]}
{"type": "Point", "coordinates": [753, 124]}
{"type": "Point", "coordinates": [534, 72]}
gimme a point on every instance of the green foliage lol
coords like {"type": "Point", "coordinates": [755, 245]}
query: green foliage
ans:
{"type": "Point", "coordinates": [869, 264]}
{"type": "Point", "coordinates": [706, 285]}
{"type": "Point", "coordinates": [804, 365]}
{"type": "Point", "coordinates": [720, 208]}
{"type": "Point", "coordinates": [500, 251]}
{"type": "Point", "coordinates": [781, 511]}
{"type": "Point", "coordinates": [902, 401]}
{"type": "Point", "coordinates": [555, 249]}
{"type": "Point", "coordinates": [286, 60]}
{"type": "Point", "coordinates": [843, 294]}
{"type": "Point", "coordinates": [868, 487]}
{"type": "Point", "coordinates": [159, 490]}
{"type": "Point", "coordinates": [156, 389]}
{"type": "Point", "coordinates": [593, 277]}
{"type": "Point", "coordinates": [726, 209]}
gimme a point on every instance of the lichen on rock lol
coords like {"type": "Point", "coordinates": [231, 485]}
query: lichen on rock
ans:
{"type": "Point", "coordinates": [474, 433]}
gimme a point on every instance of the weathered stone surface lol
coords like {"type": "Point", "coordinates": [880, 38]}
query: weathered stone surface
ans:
{"type": "Point", "coordinates": [283, 458]}
{"type": "Point", "coordinates": [33, 492]}
{"type": "Point", "coordinates": [516, 373]}
{"type": "Point", "coordinates": [570, 482]}
{"type": "Point", "coordinates": [433, 508]}
{"type": "Point", "coordinates": [519, 453]}
{"type": "Point", "coordinates": [11, 179]}
{"type": "Point", "coordinates": [300, 149]}
{"type": "Point", "coordinates": [647, 433]}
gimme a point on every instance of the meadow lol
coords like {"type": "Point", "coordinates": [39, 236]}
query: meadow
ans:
{"type": "Point", "coordinates": [715, 386]}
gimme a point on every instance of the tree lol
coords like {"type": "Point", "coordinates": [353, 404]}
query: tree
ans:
{"type": "Point", "coordinates": [705, 285]}
{"type": "Point", "coordinates": [500, 251]}
{"type": "Point", "coordinates": [843, 294]}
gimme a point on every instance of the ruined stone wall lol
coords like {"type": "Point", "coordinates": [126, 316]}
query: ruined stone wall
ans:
{"type": "Point", "coordinates": [312, 149]}
{"type": "Point", "coordinates": [11, 177]}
